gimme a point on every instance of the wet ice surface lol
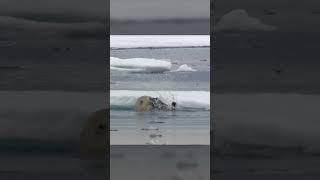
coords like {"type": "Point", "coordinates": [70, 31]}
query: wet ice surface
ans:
{"type": "Point", "coordinates": [179, 127]}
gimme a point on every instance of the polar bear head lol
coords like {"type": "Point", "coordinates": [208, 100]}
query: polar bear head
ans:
{"type": "Point", "coordinates": [144, 103]}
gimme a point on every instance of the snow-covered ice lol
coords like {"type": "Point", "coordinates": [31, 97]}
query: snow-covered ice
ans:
{"type": "Point", "coordinates": [158, 41]}
{"type": "Point", "coordinates": [142, 65]}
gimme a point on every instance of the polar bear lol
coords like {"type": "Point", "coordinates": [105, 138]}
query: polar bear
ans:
{"type": "Point", "coordinates": [143, 103]}
{"type": "Point", "coordinates": [94, 139]}
{"type": "Point", "coordinates": [147, 103]}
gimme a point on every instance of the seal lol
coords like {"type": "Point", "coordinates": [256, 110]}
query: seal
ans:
{"type": "Point", "coordinates": [94, 136]}
{"type": "Point", "coordinates": [147, 103]}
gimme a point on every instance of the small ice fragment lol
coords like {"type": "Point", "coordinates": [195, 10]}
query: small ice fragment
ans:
{"type": "Point", "coordinates": [185, 68]}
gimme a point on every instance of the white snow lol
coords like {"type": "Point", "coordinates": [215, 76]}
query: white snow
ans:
{"type": "Point", "coordinates": [158, 41]}
{"type": "Point", "coordinates": [142, 65]}
{"type": "Point", "coordinates": [185, 99]}
{"type": "Point", "coordinates": [240, 20]}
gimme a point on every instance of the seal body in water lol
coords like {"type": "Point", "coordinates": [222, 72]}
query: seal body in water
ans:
{"type": "Point", "coordinates": [147, 103]}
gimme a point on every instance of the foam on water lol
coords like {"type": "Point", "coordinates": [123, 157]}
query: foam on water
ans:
{"type": "Point", "coordinates": [186, 100]}
{"type": "Point", "coordinates": [158, 41]}
{"type": "Point", "coordinates": [140, 65]}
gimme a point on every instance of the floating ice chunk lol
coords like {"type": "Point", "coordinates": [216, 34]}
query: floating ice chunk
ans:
{"type": "Point", "coordinates": [185, 68]}
{"type": "Point", "coordinates": [158, 41]}
{"type": "Point", "coordinates": [140, 65]}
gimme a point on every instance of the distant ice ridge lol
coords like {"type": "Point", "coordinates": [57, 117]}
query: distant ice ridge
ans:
{"type": "Point", "coordinates": [140, 65]}
{"type": "Point", "coordinates": [158, 41]}
{"type": "Point", "coordinates": [185, 68]}
{"type": "Point", "coordinates": [186, 100]}
{"type": "Point", "coordinates": [240, 20]}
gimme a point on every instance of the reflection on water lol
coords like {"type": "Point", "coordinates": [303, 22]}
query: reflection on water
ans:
{"type": "Point", "coordinates": [162, 127]}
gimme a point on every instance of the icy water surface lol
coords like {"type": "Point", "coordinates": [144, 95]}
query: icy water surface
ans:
{"type": "Point", "coordinates": [180, 127]}
{"type": "Point", "coordinates": [174, 127]}
{"type": "Point", "coordinates": [196, 58]}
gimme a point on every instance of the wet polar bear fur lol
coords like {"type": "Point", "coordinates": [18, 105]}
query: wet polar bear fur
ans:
{"type": "Point", "coordinates": [147, 103]}
{"type": "Point", "coordinates": [94, 136]}
{"type": "Point", "coordinates": [143, 104]}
